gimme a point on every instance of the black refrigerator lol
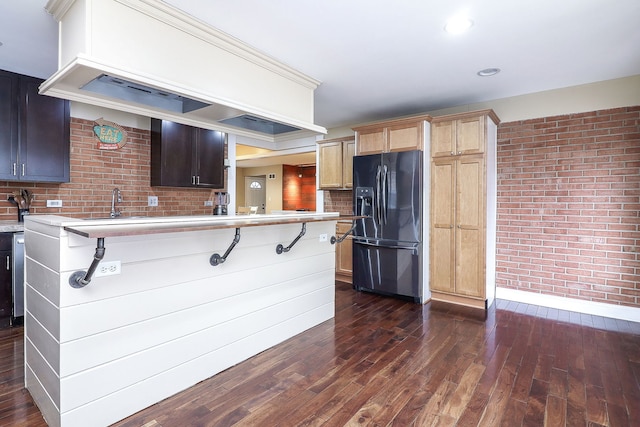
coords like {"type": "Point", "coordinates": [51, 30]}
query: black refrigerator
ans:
{"type": "Point", "coordinates": [387, 244]}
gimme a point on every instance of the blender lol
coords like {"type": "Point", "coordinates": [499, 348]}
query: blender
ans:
{"type": "Point", "coordinates": [221, 200]}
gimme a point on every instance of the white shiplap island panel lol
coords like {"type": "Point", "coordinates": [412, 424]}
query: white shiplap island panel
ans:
{"type": "Point", "coordinates": [170, 319]}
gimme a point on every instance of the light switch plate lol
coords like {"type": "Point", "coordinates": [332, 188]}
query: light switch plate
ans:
{"type": "Point", "coordinates": [153, 201]}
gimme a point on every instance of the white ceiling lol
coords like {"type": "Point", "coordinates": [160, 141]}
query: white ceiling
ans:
{"type": "Point", "coordinates": [379, 59]}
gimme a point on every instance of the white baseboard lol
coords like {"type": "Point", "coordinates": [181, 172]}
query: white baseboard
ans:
{"type": "Point", "coordinates": [570, 304]}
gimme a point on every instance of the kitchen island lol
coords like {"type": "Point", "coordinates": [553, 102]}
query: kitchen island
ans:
{"type": "Point", "coordinates": [171, 302]}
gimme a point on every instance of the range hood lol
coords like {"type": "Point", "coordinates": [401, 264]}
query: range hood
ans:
{"type": "Point", "coordinates": [149, 58]}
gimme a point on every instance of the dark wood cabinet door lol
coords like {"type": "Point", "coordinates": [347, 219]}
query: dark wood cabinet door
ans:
{"type": "Point", "coordinates": [8, 125]}
{"type": "Point", "coordinates": [6, 306]}
{"type": "Point", "coordinates": [209, 149]}
{"type": "Point", "coordinates": [186, 156]}
{"type": "Point", "coordinates": [171, 154]}
{"type": "Point", "coordinates": [44, 135]}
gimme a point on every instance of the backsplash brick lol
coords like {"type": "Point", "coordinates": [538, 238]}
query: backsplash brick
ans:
{"type": "Point", "coordinates": [94, 174]}
{"type": "Point", "coordinates": [569, 206]}
{"type": "Point", "coordinates": [338, 201]}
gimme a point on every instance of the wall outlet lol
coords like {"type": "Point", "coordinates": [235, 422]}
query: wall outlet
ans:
{"type": "Point", "coordinates": [54, 203]}
{"type": "Point", "coordinates": [108, 268]}
{"type": "Point", "coordinates": [208, 202]}
{"type": "Point", "coordinates": [323, 237]}
{"type": "Point", "coordinates": [153, 201]}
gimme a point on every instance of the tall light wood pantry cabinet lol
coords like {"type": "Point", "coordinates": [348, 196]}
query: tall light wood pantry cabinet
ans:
{"type": "Point", "coordinates": [463, 208]}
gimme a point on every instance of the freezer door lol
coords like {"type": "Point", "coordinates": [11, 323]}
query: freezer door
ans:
{"type": "Point", "coordinates": [401, 196]}
{"type": "Point", "coordinates": [388, 270]}
{"type": "Point", "coordinates": [366, 177]}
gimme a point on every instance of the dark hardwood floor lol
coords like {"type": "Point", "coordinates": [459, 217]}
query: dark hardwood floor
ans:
{"type": "Point", "coordinates": [383, 362]}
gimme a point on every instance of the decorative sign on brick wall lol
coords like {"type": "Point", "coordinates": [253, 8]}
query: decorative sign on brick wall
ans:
{"type": "Point", "coordinates": [111, 136]}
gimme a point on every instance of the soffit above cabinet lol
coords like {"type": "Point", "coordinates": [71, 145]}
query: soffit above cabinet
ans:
{"type": "Point", "coordinates": [149, 58]}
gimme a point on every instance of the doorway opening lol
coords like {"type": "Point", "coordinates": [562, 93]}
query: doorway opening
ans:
{"type": "Point", "coordinates": [255, 193]}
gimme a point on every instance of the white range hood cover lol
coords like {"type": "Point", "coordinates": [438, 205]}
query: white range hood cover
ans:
{"type": "Point", "coordinates": [150, 46]}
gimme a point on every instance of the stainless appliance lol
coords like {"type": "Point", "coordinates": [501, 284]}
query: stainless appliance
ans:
{"type": "Point", "coordinates": [387, 244]}
{"type": "Point", "coordinates": [221, 201]}
{"type": "Point", "coordinates": [18, 278]}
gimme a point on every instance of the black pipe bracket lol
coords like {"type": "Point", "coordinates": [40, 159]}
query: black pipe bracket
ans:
{"type": "Point", "coordinates": [216, 259]}
{"type": "Point", "coordinates": [280, 249]}
{"type": "Point", "coordinates": [80, 279]}
{"type": "Point", "coordinates": [335, 239]}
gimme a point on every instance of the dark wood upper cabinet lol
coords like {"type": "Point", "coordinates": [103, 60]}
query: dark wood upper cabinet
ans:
{"type": "Point", "coordinates": [34, 141]}
{"type": "Point", "coordinates": [186, 156]}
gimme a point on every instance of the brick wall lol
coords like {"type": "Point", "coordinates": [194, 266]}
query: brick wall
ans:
{"type": "Point", "coordinates": [338, 201]}
{"type": "Point", "coordinates": [298, 192]}
{"type": "Point", "coordinates": [94, 174]}
{"type": "Point", "coordinates": [569, 206]}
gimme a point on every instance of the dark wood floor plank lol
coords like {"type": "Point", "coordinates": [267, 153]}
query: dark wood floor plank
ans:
{"type": "Point", "coordinates": [499, 396]}
{"type": "Point", "coordinates": [513, 413]}
{"type": "Point", "coordinates": [596, 405]}
{"type": "Point", "coordinates": [536, 405]}
{"type": "Point", "coordinates": [382, 361]}
{"type": "Point", "coordinates": [458, 401]}
{"type": "Point", "coordinates": [555, 413]}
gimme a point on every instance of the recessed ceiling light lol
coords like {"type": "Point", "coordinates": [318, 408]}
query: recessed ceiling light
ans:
{"type": "Point", "coordinates": [488, 72]}
{"type": "Point", "coordinates": [458, 24]}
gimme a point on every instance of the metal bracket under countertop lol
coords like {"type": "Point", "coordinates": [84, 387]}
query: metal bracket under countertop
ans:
{"type": "Point", "coordinates": [216, 259]}
{"type": "Point", "coordinates": [80, 279]}
{"type": "Point", "coordinates": [280, 249]}
{"type": "Point", "coordinates": [335, 239]}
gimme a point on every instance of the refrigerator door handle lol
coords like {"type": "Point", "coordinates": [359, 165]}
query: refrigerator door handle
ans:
{"type": "Point", "coordinates": [384, 194]}
{"type": "Point", "coordinates": [377, 210]}
{"type": "Point", "coordinates": [364, 243]}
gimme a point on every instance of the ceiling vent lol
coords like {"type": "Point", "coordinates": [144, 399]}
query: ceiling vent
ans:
{"type": "Point", "coordinates": [129, 91]}
{"type": "Point", "coordinates": [258, 124]}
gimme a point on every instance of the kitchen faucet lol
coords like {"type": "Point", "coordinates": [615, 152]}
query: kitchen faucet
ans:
{"type": "Point", "coordinates": [116, 196]}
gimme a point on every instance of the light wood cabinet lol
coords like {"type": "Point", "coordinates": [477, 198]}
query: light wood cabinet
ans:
{"type": "Point", "coordinates": [344, 254]}
{"type": "Point", "coordinates": [463, 203]}
{"type": "Point", "coordinates": [335, 163]}
{"type": "Point", "coordinates": [458, 243]}
{"type": "Point", "coordinates": [393, 135]}
{"type": "Point", "coordinates": [459, 135]}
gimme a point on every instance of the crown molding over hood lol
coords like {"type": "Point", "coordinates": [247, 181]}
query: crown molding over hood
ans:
{"type": "Point", "coordinates": [153, 45]}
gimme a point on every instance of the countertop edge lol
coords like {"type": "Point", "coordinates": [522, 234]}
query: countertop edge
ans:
{"type": "Point", "coordinates": [154, 225]}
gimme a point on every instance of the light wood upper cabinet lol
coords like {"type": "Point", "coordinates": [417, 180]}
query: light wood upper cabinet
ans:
{"type": "Point", "coordinates": [460, 134]}
{"type": "Point", "coordinates": [348, 151]}
{"type": "Point", "coordinates": [393, 135]}
{"type": "Point", "coordinates": [335, 163]}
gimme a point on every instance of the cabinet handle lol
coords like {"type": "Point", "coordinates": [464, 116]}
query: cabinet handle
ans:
{"type": "Point", "coordinates": [459, 226]}
{"type": "Point", "coordinates": [459, 152]}
{"type": "Point", "coordinates": [8, 263]}
{"type": "Point", "coordinates": [198, 180]}
{"type": "Point", "coordinates": [23, 169]}
{"type": "Point", "coordinates": [193, 180]}
{"type": "Point", "coordinates": [450, 225]}
{"type": "Point", "coordinates": [15, 168]}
